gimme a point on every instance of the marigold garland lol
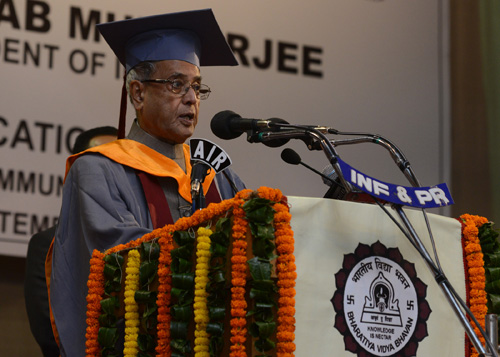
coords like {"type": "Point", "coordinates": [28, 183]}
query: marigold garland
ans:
{"type": "Point", "coordinates": [238, 280]}
{"type": "Point", "coordinates": [285, 268]}
{"type": "Point", "coordinates": [95, 294]}
{"type": "Point", "coordinates": [474, 262]}
{"type": "Point", "coordinates": [131, 347]}
{"type": "Point", "coordinates": [201, 317]}
{"type": "Point", "coordinates": [163, 297]}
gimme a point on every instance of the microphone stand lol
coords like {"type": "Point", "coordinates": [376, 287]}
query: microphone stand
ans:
{"type": "Point", "coordinates": [445, 286]}
{"type": "Point", "coordinates": [303, 133]}
{"type": "Point", "coordinates": [396, 154]}
{"type": "Point", "coordinates": [329, 150]}
{"type": "Point", "coordinates": [198, 198]}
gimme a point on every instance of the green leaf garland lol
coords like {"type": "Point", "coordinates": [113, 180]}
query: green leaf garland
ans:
{"type": "Point", "coordinates": [488, 238]}
{"type": "Point", "coordinates": [263, 289]}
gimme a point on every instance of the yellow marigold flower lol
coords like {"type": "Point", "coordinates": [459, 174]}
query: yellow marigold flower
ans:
{"type": "Point", "coordinates": [131, 316]}
{"type": "Point", "coordinates": [201, 318]}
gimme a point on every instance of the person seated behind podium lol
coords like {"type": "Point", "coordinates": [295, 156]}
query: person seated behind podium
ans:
{"type": "Point", "coordinates": [35, 288]}
{"type": "Point", "coordinates": [109, 188]}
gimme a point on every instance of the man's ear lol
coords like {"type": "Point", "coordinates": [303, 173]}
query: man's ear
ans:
{"type": "Point", "coordinates": [136, 89]}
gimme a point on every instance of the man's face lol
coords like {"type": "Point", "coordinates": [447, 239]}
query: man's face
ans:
{"type": "Point", "coordinates": [167, 116]}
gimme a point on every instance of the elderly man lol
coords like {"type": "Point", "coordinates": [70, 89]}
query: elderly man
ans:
{"type": "Point", "coordinates": [118, 192]}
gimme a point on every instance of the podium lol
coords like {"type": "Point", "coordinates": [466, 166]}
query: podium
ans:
{"type": "Point", "coordinates": [328, 231]}
{"type": "Point", "coordinates": [360, 285]}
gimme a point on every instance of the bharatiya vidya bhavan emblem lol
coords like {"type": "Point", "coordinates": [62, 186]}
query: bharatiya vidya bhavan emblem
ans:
{"type": "Point", "coordinates": [380, 303]}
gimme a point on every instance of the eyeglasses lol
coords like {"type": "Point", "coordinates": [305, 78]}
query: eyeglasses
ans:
{"type": "Point", "coordinates": [179, 86]}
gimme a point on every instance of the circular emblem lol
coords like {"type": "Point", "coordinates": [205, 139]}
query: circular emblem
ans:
{"type": "Point", "coordinates": [380, 303]}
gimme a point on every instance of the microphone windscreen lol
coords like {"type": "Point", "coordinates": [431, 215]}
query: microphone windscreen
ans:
{"type": "Point", "coordinates": [220, 125]}
{"type": "Point", "coordinates": [329, 171]}
{"type": "Point", "coordinates": [199, 170]}
{"type": "Point", "coordinates": [290, 156]}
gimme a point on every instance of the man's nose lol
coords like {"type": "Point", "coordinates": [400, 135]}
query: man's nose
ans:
{"type": "Point", "coordinates": [190, 95]}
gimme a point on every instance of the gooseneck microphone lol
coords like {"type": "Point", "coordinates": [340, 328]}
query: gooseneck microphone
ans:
{"type": "Point", "coordinates": [273, 132]}
{"type": "Point", "coordinates": [336, 191]}
{"type": "Point", "coordinates": [291, 157]}
{"type": "Point", "coordinates": [228, 125]}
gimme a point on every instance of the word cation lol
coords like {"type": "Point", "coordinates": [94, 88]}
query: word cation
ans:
{"type": "Point", "coordinates": [35, 135]}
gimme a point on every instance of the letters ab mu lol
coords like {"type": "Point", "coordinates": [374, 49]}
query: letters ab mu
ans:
{"type": "Point", "coordinates": [280, 56]}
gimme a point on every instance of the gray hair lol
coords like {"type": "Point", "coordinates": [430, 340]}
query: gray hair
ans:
{"type": "Point", "coordinates": [140, 72]}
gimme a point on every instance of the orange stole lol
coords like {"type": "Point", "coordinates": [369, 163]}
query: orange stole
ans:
{"type": "Point", "coordinates": [140, 157]}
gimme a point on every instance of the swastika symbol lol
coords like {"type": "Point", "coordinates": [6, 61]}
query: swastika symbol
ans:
{"type": "Point", "coordinates": [409, 305]}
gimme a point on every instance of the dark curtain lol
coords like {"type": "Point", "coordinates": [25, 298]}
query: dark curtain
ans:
{"type": "Point", "coordinates": [489, 18]}
{"type": "Point", "coordinates": [471, 184]}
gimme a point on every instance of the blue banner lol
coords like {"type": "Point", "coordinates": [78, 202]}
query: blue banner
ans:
{"type": "Point", "coordinates": [421, 197]}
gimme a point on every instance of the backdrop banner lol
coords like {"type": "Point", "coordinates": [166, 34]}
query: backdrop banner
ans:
{"type": "Point", "coordinates": [354, 65]}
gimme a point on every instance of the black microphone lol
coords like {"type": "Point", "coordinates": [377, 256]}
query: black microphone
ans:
{"type": "Point", "coordinates": [336, 191]}
{"type": "Point", "coordinates": [292, 158]}
{"type": "Point", "coordinates": [229, 125]}
{"type": "Point", "coordinates": [199, 171]}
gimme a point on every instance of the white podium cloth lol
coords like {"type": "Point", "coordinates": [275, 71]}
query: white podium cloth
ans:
{"type": "Point", "coordinates": [326, 230]}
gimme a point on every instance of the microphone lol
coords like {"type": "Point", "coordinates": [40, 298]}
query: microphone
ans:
{"type": "Point", "coordinates": [331, 178]}
{"type": "Point", "coordinates": [329, 172]}
{"type": "Point", "coordinates": [272, 132]}
{"type": "Point", "coordinates": [337, 191]}
{"type": "Point", "coordinates": [228, 125]}
{"type": "Point", "coordinates": [291, 157]}
{"type": "Point", "coordinates": [205, 155]}
{"type": "Point", "coordinates": [199, 171]}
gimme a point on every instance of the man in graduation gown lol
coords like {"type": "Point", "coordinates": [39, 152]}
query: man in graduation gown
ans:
{"type": "Point", "coordinates": [120, 191]}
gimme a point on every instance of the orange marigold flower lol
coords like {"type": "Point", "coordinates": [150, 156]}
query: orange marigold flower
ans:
{"type": "Point", "coordinates": [476, 270]}
{"type": "Point", "coordinates": [238, 259]}
{"type": "Point", "coordinates": [290, 292]}
{"type": "Point", "coordinates": [239, 333]}
{"type": "Point", "coordinates": [238, 312]}
{"type": "Point", "coordinates": [475, 264]}
{"type": "Point", "coordinates": [286, 284]}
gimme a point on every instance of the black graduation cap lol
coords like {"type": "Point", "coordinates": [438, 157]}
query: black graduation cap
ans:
{"type": "Point", "coordinates": [192, 36]}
